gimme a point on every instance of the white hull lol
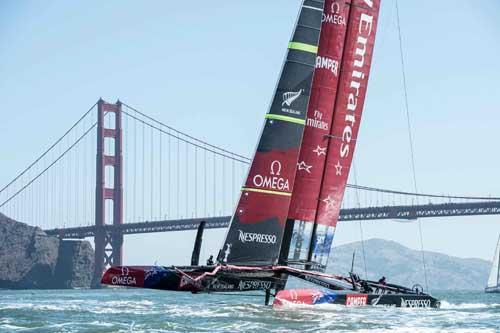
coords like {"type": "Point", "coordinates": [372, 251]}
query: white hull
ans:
{"type": "Point", "coordinates": [492, 290]}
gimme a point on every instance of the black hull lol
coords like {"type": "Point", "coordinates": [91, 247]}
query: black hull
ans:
{"type": "Point", "coordinates": [195, 279]}
{"type": "Point", "coordinates": [225, 278]}
{"type": "Point", "coordinates": [398, 300]}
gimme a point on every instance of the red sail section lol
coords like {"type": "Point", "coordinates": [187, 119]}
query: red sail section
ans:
{"type": "Point", "coordinates": [355, 69]}
{"type": "Point", "coordinates": [320, 111]}
{"type": "Point", "coordinates": [269, 182]}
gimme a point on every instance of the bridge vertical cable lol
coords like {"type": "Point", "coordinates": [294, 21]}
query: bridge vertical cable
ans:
{"type": "Point", "coordinates": [199, 175]}
{"type": "Point", "coordinates": [51, 192]}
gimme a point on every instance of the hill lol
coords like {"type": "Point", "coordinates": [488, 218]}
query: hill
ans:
{"type": "Point", "coordinates": [403, 265]}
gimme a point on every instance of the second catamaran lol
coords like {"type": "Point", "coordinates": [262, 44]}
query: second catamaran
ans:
{"type": "Point", "coordinates": [493, 285]}
{"type": "Point", "coordinates": [286, 216]}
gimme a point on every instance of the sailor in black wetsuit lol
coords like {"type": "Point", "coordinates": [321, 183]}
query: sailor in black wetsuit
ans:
{"type": "Point", "coordinates": [366, 287]}
{"type": "Point", "coordinates": [210, 261]}
{"type": "Point", "coordinates": [382, 281]}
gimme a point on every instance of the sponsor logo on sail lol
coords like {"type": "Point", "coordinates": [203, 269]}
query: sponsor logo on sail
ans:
{"type": "Point", "coordinates": [333, 15]}
{"type": "Point", "coordinates": [251, 237]}
{"type": "Point", "coordinates": [415, 303]}
{"type": "Point", "coordinates": [338, 169]}
{"type": "Point", "coordinates": [288, 99]}
{"type": "Point", "coordinates": [124, 279]}
{"type": "Point", "coordinates": [254, 285]}
{"type": "Point", "coordinates": [330, 203]}
{"type": "Point", "coordinates": [328, 64]}
{"type": "Point", "coordinates": [303, 166]}
{"type": "Point", "coordinates": [358, 78]}
{"type": "Point", "coordinates": [320, 150]}
{"type": "Point", "coordinates": [317, 121]}
{"type": "Point", "coordinates": [273, 181]}
{"type": "Point", "coordinates": [356, 300]}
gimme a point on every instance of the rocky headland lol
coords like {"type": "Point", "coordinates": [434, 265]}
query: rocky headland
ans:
{"type": "Point", "coordinates": [31, 259]}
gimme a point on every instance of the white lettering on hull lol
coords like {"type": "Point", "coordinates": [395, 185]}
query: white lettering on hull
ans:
{"type": "Point", "coordinates": [415, 303]}
{"type": "Point", "coordinates": [254, 285]}
{"type": "Point", "coordinates": [121, 280]}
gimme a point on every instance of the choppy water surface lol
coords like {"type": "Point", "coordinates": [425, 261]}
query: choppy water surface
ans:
{"type": "Point", "coordinates": [154, 311]}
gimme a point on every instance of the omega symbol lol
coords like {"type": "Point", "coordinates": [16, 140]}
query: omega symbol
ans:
{"type": "Point", "coordinates": [276, 168]}
{"type": "Point", "coordinates": [335, 8]}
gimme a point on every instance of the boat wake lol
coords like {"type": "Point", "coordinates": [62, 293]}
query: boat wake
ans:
{"type": "Point", "coordinates": [464, 306]}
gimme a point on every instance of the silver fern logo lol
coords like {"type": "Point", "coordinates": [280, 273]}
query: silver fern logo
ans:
{"type": "Point", "coordinates": [290, 97]}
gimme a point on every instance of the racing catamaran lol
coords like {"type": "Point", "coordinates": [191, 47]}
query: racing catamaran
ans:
{"type": "Point", "coordinates": [285, 219]}
{"type": "Point", "coordinates": [493, 285]}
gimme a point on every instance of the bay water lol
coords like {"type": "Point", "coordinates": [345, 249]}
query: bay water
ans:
{"type": "Point", "coordinates": [134, 310]}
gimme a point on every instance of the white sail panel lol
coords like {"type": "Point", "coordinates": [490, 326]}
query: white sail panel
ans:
{"type": "Point", "coordinates": [493, 280]}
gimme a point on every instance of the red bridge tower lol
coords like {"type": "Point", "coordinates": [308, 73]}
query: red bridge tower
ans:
{"type": "Point", "coordinates": [108, 245]}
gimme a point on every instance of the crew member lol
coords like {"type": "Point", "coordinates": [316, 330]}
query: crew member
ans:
{"type": "Point", "coordinates": [366, 287]}
{"type": "Point", "coordinates": [382, 281]}
{"type": "Point", "coordinates": [210, 261]}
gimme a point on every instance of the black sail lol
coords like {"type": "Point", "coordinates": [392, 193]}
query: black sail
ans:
{"type": "Point", "coordinates": [256, 231]}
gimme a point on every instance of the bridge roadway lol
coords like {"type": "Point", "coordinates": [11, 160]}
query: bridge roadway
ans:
{"type": "Point", "coordinates": [351, 214]}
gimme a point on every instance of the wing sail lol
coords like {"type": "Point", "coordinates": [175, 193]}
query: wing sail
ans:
{"type": "Point", "coordinates": [354, 74]}
{"type": "Point", "coordinates": [313, 152]}
{"type": "Point", "coordinates": [257, 226]}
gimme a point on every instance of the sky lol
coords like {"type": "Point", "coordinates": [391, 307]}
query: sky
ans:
{"type": "Point", "coordinates": [209, 69]}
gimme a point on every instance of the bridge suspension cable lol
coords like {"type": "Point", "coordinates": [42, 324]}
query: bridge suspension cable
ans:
{"type": "Point", "coordinates": [200, 144]}
{"type": "Point", "coordinates": [39, 158]}
{"type": "Point", "coordinates": [52, 190]}
{"type": "Point", "coordinates": [168, 175]}
{"type": "Point", "coordinates": [179, 133]}
{"type": "Point", "coordinates": [427, 195]}
{"type": "Point", "coordinates": [48, 167]}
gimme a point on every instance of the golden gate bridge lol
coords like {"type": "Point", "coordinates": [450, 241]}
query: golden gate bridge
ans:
{"type": "Point", "coordinates": [118, 171]}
